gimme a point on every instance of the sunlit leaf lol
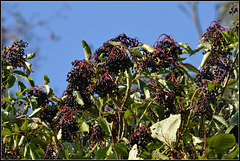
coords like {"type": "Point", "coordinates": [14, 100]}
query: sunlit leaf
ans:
{"type": "Point", "coordinates": [106, 126]}
{"type": "Point", "coordinates": [35, 112]}
{"type": "Point", "coordinates": [220, 119]}
{"type": "Point", "coordinates": [87, 50]}
{"type": "Point", "coordinates": [204, 60]}
{"type": "Point", "coordinates": [46, 79]}
{"type": "Point", "coordinates": [79, 98]}
{"type": "Point", "coordinates": [166, 130]}
{"type": "Point", "coordinates": [133, 153]}
{"type": "Point", "coordinates": [30, 56]}
{"type": "Point", "coordinates": [146, 47]}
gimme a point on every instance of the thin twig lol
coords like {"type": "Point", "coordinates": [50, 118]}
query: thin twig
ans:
{"type": "Point", "coordinates": [114, 147]}
{"type": "Point", "coordinates": [146, 110]}
{"type": "Point", "coordinates": [205, 137]}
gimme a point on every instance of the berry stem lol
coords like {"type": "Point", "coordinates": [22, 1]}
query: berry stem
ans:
{"type": "Point", "coordinates": [115, 148]}
{"type": "Point", "coordinates": [146, 110]}
{"type": "Point", "coordinates": [205, 137]}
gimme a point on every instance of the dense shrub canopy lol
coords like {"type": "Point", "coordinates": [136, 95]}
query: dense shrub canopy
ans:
{"type": "Point", "coordinates": [127, 100]}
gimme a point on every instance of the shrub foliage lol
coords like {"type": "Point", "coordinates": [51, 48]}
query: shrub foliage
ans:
{"type": "Point", "coordinates": [127, 100]}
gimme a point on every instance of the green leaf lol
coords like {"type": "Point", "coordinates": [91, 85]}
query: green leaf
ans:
{"type": "Point", "coordinates": [128, 117]}
{"type": "Point", "coordinates": [114, 43]}
{"type": "Point", "coordinates": [161, 156]}
{"type": "Point", "coordinates": [87, 50]}
{"type": "Point", "coordinates": [101, 56]}
{"type": "Point", "coordinates": [163, 71]}
{"type": "Point", "coordinates": [67, 153]}
{"type": "Point", "coordinates": [28, 67]}
{"type": "Point", "coordinates": [233, 122]}
{"type": "Point", "coordinates": [204, 60]}
{"type": "Point", "coordinates": [191, 67]}
{"type": "Point", "coordinates": [48, 90]}
{"type": "Point", "coordinates": [11, 81]}
{"type": "Point", "coordinates": [141, 84]}
{"type": "Point", "coordinates": [24, 126]}
{"type": "Point", "coordinates": [185, 72]}
{"type": "Point", "coordinates": [136, 96]}
{"type": "Point", "coordinates": [221, 142]}
{"type": "Point", "coordinates": [28, 79]}
{"type": "Point", "coordinates": [21, 86]}
{"type": "Point", "coordinates": [84, 127]}
{"type": "Point", "coordinates": [198, 48]}
{"type": "Point", "coordinates": [196, 140]}
{"type": "Point", "coordinates": [107, 127]}
{"type": "Point", "coordinates": [146, 155]}
{"type": "Point", "coordinates": [69, 146]}
{"type": "Point", "coordinates": [220, 119]}
{"type": "Point", "coordinates": [211, 85]}
{"type": "Point", "coordinates": [101, 153]}
{"type": "Point", "coordinates": [136, 52]}
{"type": "Point", "coordinates": [234, 153]}
{"type": "Point", "coordinates": [231, 82]}
{"type": "Point", "coordinates": [46, 79]}
{"type": "Point", "coordinates": [30, 56]}
{"type": "Point", "coordinates": [133, 153]}
{"type": "Point", "coordinates": [26, 149]}
{"type": "Point", "coordinates": [21, 140]}
{"type": "Point", "coordinates": [15, 128]}
{"type": "Point", "coordinates": [226, 36]}
{"type": "Point", "coordinates": [166, 130]}
{"type": "Point", "coordinates": [121, 149]}
{"type": "Point", "coordinates": [6, 132]}
{"type": "Point", "coordinates": [33, 125]}
{"type": "Point", "coordinates": [79, 98]}
{"type": "Point", "coordinates": [59, 135]}
{"type": "Point", "coordinates": [33, 154]}
{"type": "Point", "coordinates": [186, 47]}
{"type": "Point", "coordinates": [146, 47]}
{"type": "Point", "coordinates": [35, 112]}
{"type": "Point", "coordinates": [4, 115]}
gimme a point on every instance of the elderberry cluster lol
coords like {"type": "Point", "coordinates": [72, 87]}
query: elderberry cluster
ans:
{"type": "Point", "coordinates": [140, 136]}
{"type": "Point", "coordinates": [67, 123]}
{"type": "Point", "coordinates": [118, 60]}
{"type": "Point", "coordinates": [47, 114]}
{"type": "Point", "coordinates": [213, 34]}
{"type": "Point", "coordinates": [51, 153]}
{"type": "Point", "coordinates": [105, 85]}
{"type": "Point", "coordinates": [219, 63]}
{"type": "Point", "coordinates": [96, 134]}
{"type": "Point", "coordinates": [117, 57]}
{"type": "Point", "coordinates": [41, 96]}
{"type": "Point", "coordinates": [164, 55]}
{"type": "Point", "coordinates": [167, 99]}
{"type": "Point", "coordinates": [204, 74]}
{"type": "Point", "coordinates": [203, 107]}
{"type": "Point", "coordinates": [79, 79]}
{"type": "Point", "coordinates": [107, 47]}
{"type": "Point", "coordinates": [14, 55]}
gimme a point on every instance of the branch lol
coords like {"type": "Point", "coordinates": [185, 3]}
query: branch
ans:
{"type": "Point", "coordinates": [196, 19]}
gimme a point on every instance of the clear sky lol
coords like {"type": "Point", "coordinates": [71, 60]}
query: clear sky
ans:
{"type": "Point", "coordinates": [98, 21]}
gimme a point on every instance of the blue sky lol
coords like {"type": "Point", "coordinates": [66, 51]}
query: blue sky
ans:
{"type": "Point", "coordinates": [99, 21]}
